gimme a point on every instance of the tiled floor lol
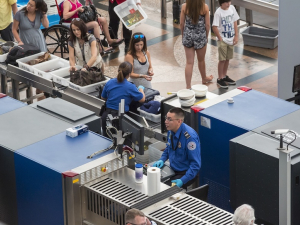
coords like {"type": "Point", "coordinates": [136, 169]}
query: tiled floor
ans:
{"type": "Point", "coordinates": [251, 66]}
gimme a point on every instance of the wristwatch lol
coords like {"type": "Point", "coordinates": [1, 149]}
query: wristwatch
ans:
{"type": "Point", "coordinates": [140, 75]}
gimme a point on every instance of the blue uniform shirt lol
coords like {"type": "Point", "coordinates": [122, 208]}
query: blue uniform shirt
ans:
{"type": "Point", "coordinates": [114, 91]}
{"type": "Point", "coordinates": [187, 156]}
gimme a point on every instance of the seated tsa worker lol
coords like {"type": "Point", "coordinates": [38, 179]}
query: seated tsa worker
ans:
{"type": "Point", "coordinates": [83, 50]}
{"type": "Point", "coordinates": [182, 150]}
{"type": "Point", "coordinates": [117, 89]}
{"type": "Point", "coordinates": [28, 21]}
{"type": "Point", "coordinates": [139, 57]}
{"type": "Point", "coordinates": [71, 9]}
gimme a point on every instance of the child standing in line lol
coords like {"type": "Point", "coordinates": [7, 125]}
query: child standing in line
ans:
{"type": "Point", "coordinates": [225, 28]}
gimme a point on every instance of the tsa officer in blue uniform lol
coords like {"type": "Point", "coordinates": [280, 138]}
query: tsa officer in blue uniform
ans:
{"type": "Point", "coordinates": [117, 89]}
{"type": "Point", "coordinates": [183, 150]}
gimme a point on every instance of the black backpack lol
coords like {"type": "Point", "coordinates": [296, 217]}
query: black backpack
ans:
{"type": "Point", "coordinates": [21, 51]}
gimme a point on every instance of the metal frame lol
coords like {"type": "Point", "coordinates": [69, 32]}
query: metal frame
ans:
{"type": "Point", "coordinates": [69, 94]}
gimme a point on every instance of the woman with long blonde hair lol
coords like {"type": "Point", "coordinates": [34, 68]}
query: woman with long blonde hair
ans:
{"type": "Point", "coordinates": [195, 26]}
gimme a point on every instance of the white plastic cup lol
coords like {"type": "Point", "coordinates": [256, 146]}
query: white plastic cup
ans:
{"type": "Point", "coordinates": [139, 173]}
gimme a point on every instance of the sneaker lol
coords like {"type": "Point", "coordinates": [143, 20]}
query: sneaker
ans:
{"type": "Point", "coordinates": [228, 80]}
{"type": "Point", "coordinates": [222, 83]}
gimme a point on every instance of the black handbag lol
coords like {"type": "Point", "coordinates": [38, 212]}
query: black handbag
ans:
{"type": "Point", "coordinates": [84, 78]}
{"type": "Point", "coordinates": [89, 14]}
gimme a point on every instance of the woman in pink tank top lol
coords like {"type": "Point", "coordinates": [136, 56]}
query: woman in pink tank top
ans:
{"type": "Point", "coordinates": [71, 9]}
{"type": "Point", "coordinates": [75, 6]}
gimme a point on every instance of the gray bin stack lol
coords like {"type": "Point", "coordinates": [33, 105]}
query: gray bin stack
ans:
{"type": "Point", "coordinates": [260, 37]}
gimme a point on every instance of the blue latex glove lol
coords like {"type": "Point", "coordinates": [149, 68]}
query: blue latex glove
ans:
{"type": "Point", "coordinates": [141, 86]}
{"type": "Point", "coordinates": [178, 182]}
{"type": "Point", "coordinates": [158, 164]}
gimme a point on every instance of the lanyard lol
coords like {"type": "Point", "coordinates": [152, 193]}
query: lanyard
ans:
{"type": "Point", "coordinates": [177, 142]}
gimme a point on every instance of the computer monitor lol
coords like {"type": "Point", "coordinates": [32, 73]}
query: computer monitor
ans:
{"type": "Point", "coordinates": [296, 80]}
{"type": "Point", "coordinates": [137, 137]}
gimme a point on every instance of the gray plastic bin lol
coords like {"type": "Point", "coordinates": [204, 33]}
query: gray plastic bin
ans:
{"type": "Point", "coordinates": [260, 37]}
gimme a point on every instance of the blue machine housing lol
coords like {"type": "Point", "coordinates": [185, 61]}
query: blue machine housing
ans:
{"type": "Point", "coordinates": [39, 178]}
{"type": "Point", "coordinates": [8, 104]}
{"type": "Point", "coordinates": [250, 110]}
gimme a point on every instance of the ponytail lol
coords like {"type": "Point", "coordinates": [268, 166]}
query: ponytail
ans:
{"type": "Point", "coordinates": [120, 76]}
{"type": "Point", "coordinates": [124, 70]}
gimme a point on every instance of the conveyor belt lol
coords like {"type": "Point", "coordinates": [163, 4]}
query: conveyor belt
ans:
{"type": "Point", "coordinates": [190, 211]}
{"type": "Point", "coordinates": [157, 198]}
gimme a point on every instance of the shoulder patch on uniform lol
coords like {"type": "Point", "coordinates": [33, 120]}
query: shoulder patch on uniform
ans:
{"type": "Point", "coordinates": [187, 135]}
{"type": "Point", "coordinates": [191, 145]}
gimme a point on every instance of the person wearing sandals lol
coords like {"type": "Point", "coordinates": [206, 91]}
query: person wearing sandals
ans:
{"type": "Point", "coordinates": [28, 21]}
{"type": "Point", "coordinates": [139, 57]}
{"type": "Point", "coordinates": [195, 25]}
{"type": "Point", "coordinates": [83, 50]}
{"type": "Point", "coordinates": [70, 11]}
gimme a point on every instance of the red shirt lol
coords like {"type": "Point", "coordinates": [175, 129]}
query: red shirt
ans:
{"type": "Point", "coordinates": [118, 1]}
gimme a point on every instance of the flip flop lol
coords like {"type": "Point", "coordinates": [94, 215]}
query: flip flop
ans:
{"type": "Point", "coordinates": [208, 81]}
{"type": "Point", "coordinates": [117, 42]}
{"type": "Point", "coordinates": [107, 50]}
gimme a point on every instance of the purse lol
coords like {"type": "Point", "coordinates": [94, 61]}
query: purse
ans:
{"type": "Point", "coordinates": [87, 77]}
{"type": "Point", "coordinates": [89, 14]}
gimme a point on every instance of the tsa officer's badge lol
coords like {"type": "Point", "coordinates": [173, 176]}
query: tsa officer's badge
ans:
{"type": "Point", "coordinates": [191, 145]}
{"type": "Point", "coordinates": [179, 144]}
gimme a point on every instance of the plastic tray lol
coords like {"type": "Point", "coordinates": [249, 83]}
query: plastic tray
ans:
{"type": "Point", "coordinates": [55, 64]}
{"type": "Point", "coordinates": [149, 116]}
{"type": "Point", "coordinates": [260, 37]}
{"type": "Point", "coordinates": [130, 14]}
{"type": "Point", "coordinates": [62, 77]}
{"type": "Point", "coordinates": [30, 68]}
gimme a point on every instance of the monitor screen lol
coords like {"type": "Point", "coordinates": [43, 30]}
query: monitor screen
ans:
{"type": "Point", "coordinates": [137, 137]}
{"type": "Point", "coordinates": [296, 80]}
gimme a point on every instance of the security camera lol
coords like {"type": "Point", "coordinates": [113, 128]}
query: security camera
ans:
{"type": "Point", "coordinates": [280, 131]}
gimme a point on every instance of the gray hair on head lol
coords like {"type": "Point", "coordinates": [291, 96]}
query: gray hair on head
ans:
{"type": "Point", "coordinates": [131, 214]}
{"type": "Point", "coordinates": [244, 215]}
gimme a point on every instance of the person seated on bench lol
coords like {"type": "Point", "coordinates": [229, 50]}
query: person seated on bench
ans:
{"type": "Point", "coordinates": [70, 11]}
{"type": "Point", "coordinates": [83, 50]}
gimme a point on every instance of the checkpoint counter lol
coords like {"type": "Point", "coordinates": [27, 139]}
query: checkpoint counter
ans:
{"type": "Point", "coordinates": [254, 176]}
{"type": "Point", "coordinates": [8, 104]}
{"type": "Point", "coordinates": [21, 127]}
{"type": "Point", "coordinates": [219, 122]}
{"type": "Point", "coordinates": [64, 187]}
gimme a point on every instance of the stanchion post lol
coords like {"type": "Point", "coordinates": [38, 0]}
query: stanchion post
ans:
{"type": "Point", "coordinates": [285, 187]}
{"type": "Point", "coordinates": [164, 9]}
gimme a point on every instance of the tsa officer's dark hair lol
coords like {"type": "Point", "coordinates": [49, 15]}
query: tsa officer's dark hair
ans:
{"type": "Point", "coordinates": [178, 112]}
{"type": "Point", "coordinates": [124, 70]}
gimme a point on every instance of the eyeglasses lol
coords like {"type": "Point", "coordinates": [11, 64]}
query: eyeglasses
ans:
{"type": "Point", "coordinates": [138, 36]}
{"type": "Point", "coordinates": [170, 119]}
